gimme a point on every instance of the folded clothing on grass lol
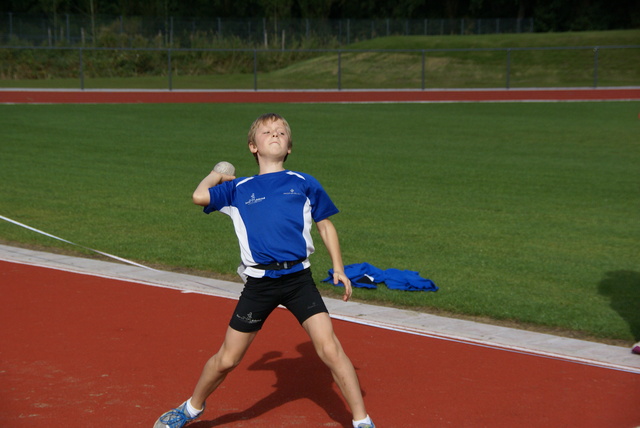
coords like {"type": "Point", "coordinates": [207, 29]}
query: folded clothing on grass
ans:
{"type": "Point", "coordinates": [365, 275]}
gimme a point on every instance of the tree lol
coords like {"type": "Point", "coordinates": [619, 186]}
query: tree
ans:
{"type": "Point", "coordinates": [315, 8]}
{"type": "Point", "coordinates": [549, 15]}
{"type": "Point", "coordinates": [275, 9]}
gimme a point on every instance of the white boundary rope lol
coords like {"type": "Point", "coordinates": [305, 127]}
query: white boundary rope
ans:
{"type": "Point", "coordinates": [111, 256]}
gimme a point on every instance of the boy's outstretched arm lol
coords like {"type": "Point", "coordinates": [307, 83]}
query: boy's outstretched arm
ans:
{"type": "Point", "coordinates": [201, 194]}
{"type": "Point", "coordinates": [329, 236]}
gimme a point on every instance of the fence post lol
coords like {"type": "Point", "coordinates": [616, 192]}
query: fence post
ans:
{"type": "Point", "coordinates": [508, 68]}
{"type": "Point", "coordinates": [423, 69]}
{"type": "Point", "coordinates": [81, 69]}
{"type": "Point", "coordinates": [339, 70]}
{"type": "Point", "coordinates": [255, 69]}
{"type": "Point", "coordinates": [595, 67]}
{"type": "Point", "coordinates": [169, 69]}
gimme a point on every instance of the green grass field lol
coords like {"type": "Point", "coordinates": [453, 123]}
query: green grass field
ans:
{"type": "Point", "coordinates": [525, 213]}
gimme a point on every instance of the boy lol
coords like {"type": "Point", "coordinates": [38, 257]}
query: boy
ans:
{"type": "Point", "coordinates": [272, 213]}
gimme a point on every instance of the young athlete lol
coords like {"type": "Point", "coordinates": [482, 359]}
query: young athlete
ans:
{"type": "Point", "coordinates": [272, 213]}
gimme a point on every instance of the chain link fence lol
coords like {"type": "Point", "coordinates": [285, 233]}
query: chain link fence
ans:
{"type": "Point", "coordinates": [255, 69]}
{"type": "Point", "coordinates": [120, 31]}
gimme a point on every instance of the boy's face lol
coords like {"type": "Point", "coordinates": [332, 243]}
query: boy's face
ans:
{"type": "Point", "coordinates": [271, 140]}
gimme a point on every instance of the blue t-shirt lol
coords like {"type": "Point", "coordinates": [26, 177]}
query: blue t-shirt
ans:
{"type": "Point", "coordinates": [272, 215]}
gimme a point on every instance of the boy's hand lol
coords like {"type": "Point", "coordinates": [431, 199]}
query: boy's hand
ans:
{"type": "Point", "coordinates": [344, 279]}
{"type": "Point", "coordinates": [226, 170]}
{"type": "Point", "coordinates": [226, 177]}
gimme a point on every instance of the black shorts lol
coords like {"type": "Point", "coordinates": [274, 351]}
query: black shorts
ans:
{"type": "Point", "coordinates": [296, 291]}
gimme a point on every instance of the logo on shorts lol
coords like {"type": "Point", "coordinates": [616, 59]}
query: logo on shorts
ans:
{"type": "Point", "coordinates": [254, 200]}
{"type": "Point", "coordinates": [248, 318]}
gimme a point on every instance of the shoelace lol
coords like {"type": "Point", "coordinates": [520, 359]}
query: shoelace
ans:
{"type": "Point", "coordinates": [174, 416]}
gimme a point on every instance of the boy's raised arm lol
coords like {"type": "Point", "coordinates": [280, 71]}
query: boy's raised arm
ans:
{"type": "Point", "coordinates": [201, 194]}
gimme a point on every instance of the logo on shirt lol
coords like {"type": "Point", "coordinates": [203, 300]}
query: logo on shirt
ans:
{"type": "Point", "coordinates": [253, 200]}
{"type": "Point", "coordinates": [291, 192]}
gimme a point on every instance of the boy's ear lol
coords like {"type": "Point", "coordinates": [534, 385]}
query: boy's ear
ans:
{"type": "Point", "coordinates": [253, 148]}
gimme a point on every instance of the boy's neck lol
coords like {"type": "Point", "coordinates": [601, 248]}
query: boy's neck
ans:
{"type": "Point", "coordinates": [269, 167]}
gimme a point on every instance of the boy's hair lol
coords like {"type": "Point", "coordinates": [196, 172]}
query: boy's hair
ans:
{"type": "Point", "coordinates": [266, 118]}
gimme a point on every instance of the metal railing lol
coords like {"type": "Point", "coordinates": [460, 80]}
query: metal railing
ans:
{"type": "Point", "coordinates": [506, 64]}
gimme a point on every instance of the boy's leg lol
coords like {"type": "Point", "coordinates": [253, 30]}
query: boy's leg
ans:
{"type": "Point", "coordinates": [328, 347]}
{"type": "Point", "coordinates": [233, 348]}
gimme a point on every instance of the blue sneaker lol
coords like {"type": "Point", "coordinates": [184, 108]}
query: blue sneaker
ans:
{"type": "Point", "coordinates": [176, 418]}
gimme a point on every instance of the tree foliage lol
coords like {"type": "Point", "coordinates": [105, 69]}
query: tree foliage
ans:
{"type": "Point", "coordinates": [549, 15]}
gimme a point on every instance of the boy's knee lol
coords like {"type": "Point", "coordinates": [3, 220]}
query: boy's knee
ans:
{"type": "Point", "coordinates": [225, 363]}
{"type": "Point", "coordinates": [330, 352]}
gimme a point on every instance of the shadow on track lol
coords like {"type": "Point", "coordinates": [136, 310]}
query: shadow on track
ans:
{"type": "Point", "coordinates": [300, 378]}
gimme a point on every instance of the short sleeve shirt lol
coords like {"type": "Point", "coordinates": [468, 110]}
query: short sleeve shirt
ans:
{"type": "Point", "coordinates": [273, 214]}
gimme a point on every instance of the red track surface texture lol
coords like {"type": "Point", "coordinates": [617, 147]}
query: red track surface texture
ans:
{"type": "Point", "coordinates": [86, 351]}
{"type": "Point", "coordinates": [97, 96]}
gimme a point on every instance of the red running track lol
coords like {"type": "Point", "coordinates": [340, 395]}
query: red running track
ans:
{"type": "Point", "coordinates": [348, 96]}
{"type": "Point", "coordinates": [87, 351]}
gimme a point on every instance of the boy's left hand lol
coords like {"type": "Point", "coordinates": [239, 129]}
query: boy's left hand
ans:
{"type": "Point", "coordinates": [344, 279]}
